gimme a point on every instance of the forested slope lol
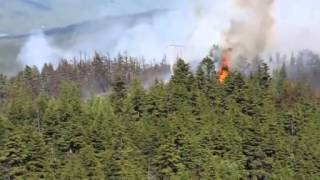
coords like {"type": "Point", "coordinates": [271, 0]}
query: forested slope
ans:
{"type": "Point", "coordinates": [192, 127]}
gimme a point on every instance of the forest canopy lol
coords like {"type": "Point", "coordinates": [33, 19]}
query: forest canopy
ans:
{"type": "Point", "coordinates": [105, 119]}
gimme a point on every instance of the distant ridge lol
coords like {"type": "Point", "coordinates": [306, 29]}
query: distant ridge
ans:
{"type": "Point", "coordinates": [36, 4]}
{"type": "Point", "coordinates": [3, 35]}
{"type": "Point", "coordinates": [92, 25]}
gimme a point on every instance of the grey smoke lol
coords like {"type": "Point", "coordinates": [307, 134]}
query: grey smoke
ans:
{"type": "Point", "coordinates": [108, 35]}
{"type": "Point", "coordinates": [251, 34]}
{"type": "Point", "coordinates": [152, 35]}
{"type": "Point", "coordinates": [194, 24]}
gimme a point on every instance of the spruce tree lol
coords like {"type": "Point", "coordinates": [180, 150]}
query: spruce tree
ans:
{"type": "Point", "coordinates": [24, 155]}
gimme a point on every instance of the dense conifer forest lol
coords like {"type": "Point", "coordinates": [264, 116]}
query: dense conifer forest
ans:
{"type": "Point", "coordinates": [116, 119]}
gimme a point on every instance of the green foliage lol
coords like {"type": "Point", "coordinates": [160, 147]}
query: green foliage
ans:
{"type": "Point", "coordinates": [24, 155]}
{"type": "Point", "coordinates": [118, 95]}
{"type": "Point", "coordinates": [134, 103]}
{"type": "Point", "coordinates": [73, 169]}
{"type": "Point", "coordinates": [258, 127]}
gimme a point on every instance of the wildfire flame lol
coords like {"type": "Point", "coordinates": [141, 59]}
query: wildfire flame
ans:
{"type": "Point", "coordinates": [225, 66]}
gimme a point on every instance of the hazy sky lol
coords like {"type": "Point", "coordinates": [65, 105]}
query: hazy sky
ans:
{"type": "Point", "coordinates": [295, 13]}
{"type": "Point", "coordinates": [297, 21]}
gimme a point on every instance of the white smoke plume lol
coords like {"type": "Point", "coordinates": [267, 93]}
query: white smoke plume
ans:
{"type": "Point", "coordinates": [194, 25]}
{"type": "Point", "coordinates": [37, 51]}
{"type": "Point", "coordinates": [187, 30]}
{"type": "Point", "coordinates": [250, 35]}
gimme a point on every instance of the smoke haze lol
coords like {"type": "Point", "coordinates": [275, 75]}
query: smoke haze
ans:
{"type": "Point", "coordinates": [152, 35]}
{"type": "Point", "coordinates": [37, 51]}
{"type": "Point", "coordinates": [186, 28]}
{"type": "Point", "coordinates": [252, 34]}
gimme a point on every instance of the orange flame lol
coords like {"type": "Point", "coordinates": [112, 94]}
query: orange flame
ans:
{"type": "Point", "coordinates": [225, 66]}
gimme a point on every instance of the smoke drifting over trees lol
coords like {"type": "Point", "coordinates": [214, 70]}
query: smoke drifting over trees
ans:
{"type": "Point", "coordinates": [78, 109]}
{"type": "Point", "coordinates": [194, 24]}
{"type": "Point", "coordinates": [250, 36]}
{"type": "Point", "coordinates": [93, 76]}
{"type": "Point", "coordinates": [37, 51]}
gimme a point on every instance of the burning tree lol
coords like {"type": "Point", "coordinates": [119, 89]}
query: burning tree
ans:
{"type": "Point", "coordinates": [225, 66]}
